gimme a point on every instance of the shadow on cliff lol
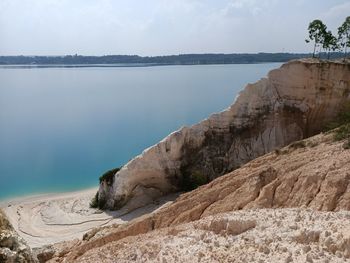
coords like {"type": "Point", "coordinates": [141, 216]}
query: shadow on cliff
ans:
{"type": "Point", "coordinates": [130, 212]}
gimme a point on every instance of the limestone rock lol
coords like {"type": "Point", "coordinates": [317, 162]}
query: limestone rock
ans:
{"type": "Point", "coordinates": [259, 235]}
{"type": "Point", "coordinates": [292, 103]}
{"type": "Point", "coordinates": [12, 247]}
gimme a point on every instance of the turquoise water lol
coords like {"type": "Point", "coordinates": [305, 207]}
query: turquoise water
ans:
{"type": "Point", "coordinates": [60, 128]}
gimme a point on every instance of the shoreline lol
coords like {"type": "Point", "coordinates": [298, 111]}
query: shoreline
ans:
{"type": "Point", "coordinates": [28, 198]}
{"type": "Point", "coordinates": [50, 218]}
{"type": "Point", "coordinates": [38, 66]}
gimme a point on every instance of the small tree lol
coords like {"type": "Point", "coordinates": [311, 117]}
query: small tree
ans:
{"type": "Point", "coordinates": [330, 42]}
{"type": "Point", "coordinates": [317, 33]}
{"type": "Point", "coordinates": [344, 35]}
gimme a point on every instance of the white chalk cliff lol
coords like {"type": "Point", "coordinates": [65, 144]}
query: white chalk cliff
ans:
{"type": "Point", "coordinates": [291, 103]}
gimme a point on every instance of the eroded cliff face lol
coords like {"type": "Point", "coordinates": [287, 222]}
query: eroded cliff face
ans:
{"type": "Point", "coordinates": [292, 103]}
{"type": "Point", "coordinates": [309, 176]}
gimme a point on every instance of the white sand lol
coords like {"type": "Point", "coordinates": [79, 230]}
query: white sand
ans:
{"type": "Point", "coordinates": [51, 218]}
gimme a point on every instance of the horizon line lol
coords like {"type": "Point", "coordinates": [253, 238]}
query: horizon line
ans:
{"type": "Point", "coordinates": [179, 54]}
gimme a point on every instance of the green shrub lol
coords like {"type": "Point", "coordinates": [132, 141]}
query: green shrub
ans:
{"type": "Point", "coordinates": [342, 118]}
{"type": "Point", "coordinates": [341, 126]}
{"type": "Point", "coordinates": [94, 201]}
{"type": "Point", "coordinates": [109, 176]}
{"type": "Point", "coordinates": [194, 180]}
{"type": "Point", "coordinates": [343, 132]}
{"type": "Point", "coordinates": [102, 203]}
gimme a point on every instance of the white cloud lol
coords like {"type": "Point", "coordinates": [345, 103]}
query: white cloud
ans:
{"type": "Point", "coordinates": [337, 12]}
{"type": "Point", "coordinates": [340, 10]}
{"type": "Point", "coordinates": [253, 7]}
{"type": "Point", "coordinates": [160, 26]}
{"type": "Point", "coordinates": [336, 15]}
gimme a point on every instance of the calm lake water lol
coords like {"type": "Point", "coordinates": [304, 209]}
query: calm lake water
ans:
{"type": "Point", "coordinates": [61, 128]}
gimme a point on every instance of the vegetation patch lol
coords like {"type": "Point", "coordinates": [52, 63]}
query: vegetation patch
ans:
{"type": "Point", "coordinates": [341, 126]}
{"type": "Point", "coordinates": [102, 203]}
{"type": "Point", "coordinates": [343, 133]}
{"type": "Point", "coordinates": [194, 180]}
{"type": "Point", "coordinates": [94, 201]}
{"type": "Point", "coordinates": [109, 176]}
{"type": "Point", "coordinates": [325, 40]}
{"type": "Point", "coordinates": [297, 145]}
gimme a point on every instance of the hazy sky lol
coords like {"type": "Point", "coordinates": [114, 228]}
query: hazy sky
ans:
{"type": "Point", "coordinates": [160, 27]}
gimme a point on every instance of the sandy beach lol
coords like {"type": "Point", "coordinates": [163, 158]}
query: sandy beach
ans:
{"type": "Point", "coordinates": [52, 218]}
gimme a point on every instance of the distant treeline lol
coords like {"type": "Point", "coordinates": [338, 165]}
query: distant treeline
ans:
{"type": "Point", "coordinates": [186, 59]}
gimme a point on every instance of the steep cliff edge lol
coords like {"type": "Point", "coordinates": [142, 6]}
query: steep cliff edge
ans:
{"type": "Point", "coordinates": [292, 103]}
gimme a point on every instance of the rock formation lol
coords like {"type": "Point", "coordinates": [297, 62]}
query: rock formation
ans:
{"type": "Point", "coordinates": [311, 175]}
{"type": "Point", "coordinates": [264, 235]}
{"type": "Point", "coordinates": [292, 103]}
{"type": "Point", "coordinates": [12, 247]}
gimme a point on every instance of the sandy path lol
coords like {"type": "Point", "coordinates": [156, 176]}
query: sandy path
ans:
{"type": "Point", "coordinates": [52, 218]}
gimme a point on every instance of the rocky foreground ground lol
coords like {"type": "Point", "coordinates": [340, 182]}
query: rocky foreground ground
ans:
{"type": "Point", "coordinates": [13, 248]}
{"type": "Point", "coordinates": [258, 235]}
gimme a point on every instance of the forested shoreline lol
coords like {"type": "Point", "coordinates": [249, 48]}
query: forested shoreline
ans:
{"type": "Point", "coordinates": [183, 59]}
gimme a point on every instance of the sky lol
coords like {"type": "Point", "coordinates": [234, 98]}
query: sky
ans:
{"type": "Point", "coordinates": [161, 27]}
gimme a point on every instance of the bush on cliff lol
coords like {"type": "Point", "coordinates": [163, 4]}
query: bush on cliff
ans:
{"type": "Point", "coordinates": [194, 180]}
{"type": "Point", "coordinates": [343, 132]}
{"type": "Point", "coordinates": [94, 201]}
{"type": "Point", "coordinates": [109, 175]}
{"type": "Point", "coordinates": [341, 126]}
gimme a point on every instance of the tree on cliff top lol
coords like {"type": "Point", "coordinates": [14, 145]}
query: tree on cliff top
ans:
{"type": "Point", "coordinates": [344, 34]}
{"type": "Point", "coordinates": [317, 33]}
{"type": "Point", "coordinates": [330, 43]}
